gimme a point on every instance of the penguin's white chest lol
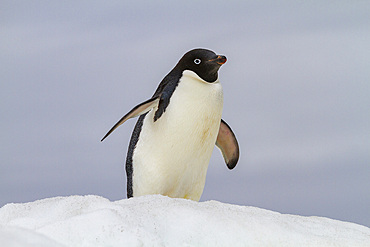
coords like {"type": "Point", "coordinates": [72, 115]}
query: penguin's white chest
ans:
{"type": "Point", "coordinates": [172, 154]}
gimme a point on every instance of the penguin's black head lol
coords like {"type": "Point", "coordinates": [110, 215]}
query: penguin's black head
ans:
{"type": "Point", "coordinates": [204, 63]}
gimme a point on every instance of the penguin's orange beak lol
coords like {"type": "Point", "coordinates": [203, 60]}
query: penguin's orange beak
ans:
{"type": "Point", "coordinates": [220, 59]}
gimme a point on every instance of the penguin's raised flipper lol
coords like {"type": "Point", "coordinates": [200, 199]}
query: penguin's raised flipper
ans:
{"type": "Point", "coordinates": [227, 143]}
{"type": "Point", "coordinates": [138, 110]}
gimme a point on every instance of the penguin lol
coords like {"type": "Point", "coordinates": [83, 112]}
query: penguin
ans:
{"type": "Point", "coordinates": [173, 139]}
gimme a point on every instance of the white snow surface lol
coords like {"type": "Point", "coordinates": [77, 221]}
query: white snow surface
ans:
{"type": "Point", "coordinates": [161, 221]}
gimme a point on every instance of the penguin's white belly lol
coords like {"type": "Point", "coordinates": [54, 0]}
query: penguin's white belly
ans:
{"type": "Point", "coordinates": [172, 154]}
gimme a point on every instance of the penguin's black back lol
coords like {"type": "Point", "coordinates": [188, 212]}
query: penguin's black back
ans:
{"type": "Point", "coordinates": [134, 139]}
{"type": "Point", "coordinates": [164, 91]}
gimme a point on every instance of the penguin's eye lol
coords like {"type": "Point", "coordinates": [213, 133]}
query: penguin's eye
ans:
{"type": "Point", "coordinates": [197, 61]}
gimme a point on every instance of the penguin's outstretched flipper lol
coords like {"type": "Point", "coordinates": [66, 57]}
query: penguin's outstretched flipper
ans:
{"type": "Point", "coordinates": [227, 143]}
{"type": "Point", "coordinates": [138, 110]}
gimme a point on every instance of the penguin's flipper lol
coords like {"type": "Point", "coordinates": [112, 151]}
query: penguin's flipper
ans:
{"type": "Point", "coordinates": [227, 143]}
{"type": "Point", "coordinates": [138, 110]}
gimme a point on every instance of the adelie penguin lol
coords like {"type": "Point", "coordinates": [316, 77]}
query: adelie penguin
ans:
{"type": "Point", "coordinates": [173, 139]}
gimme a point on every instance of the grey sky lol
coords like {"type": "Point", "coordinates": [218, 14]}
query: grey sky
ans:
{"type": "Point", "coordinates": [296, 91]}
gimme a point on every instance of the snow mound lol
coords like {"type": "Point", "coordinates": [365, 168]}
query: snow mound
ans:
{"type": "Point", "coordinates": [161, 221]}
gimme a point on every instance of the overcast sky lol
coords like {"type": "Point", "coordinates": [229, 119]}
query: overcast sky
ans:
{"type": "Point", "coordinates": [296, 92]}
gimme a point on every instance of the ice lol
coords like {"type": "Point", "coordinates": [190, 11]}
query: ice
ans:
{"type": "Point", "coordinates": [161, 221]}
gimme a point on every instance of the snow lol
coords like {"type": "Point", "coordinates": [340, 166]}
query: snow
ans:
{"type": "Point", "coordinates": [161, 221]}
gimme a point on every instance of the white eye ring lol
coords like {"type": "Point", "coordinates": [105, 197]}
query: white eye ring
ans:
{"type": "Point", "coordinates": [197, 61]}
